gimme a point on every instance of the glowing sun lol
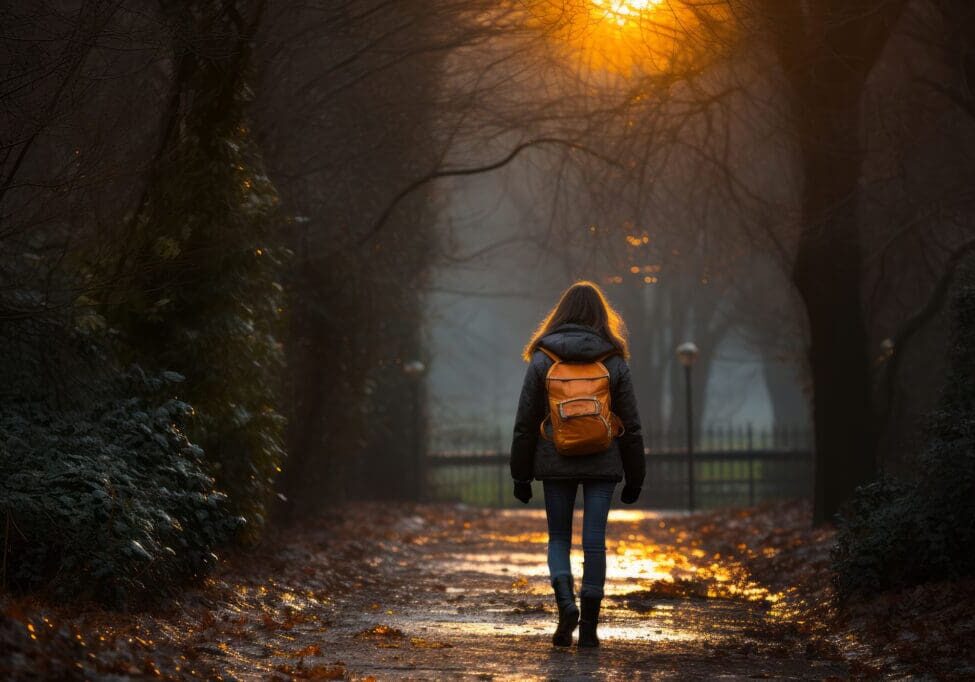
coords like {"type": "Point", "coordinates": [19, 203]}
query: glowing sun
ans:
{"type": "Point", "coordinates": [622, 10]}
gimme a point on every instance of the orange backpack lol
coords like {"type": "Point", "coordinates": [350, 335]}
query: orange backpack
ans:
{"type": "Point", "coordinates": [579, 406]}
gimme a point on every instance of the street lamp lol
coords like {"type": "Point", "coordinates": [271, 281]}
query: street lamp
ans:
{"type": "Point", "coordinates": [414, 368]}
{"type": "Point", "coordinates": [414, 371]}
{"type": "Point", "coordinates": [687, 354]}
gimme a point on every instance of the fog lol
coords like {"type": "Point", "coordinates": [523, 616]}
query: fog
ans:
{"type": "Point", "coordinates": [481, 310]}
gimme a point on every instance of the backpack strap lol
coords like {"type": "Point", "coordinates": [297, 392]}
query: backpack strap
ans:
{"type": "Point", "coordinates": [541, 427]}
{"type": "Point", "coordinates": [617, 425]}
{"type": "Point", "coordinates": [550, 354]}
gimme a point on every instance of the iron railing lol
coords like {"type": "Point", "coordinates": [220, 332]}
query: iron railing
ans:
{"type": "Point", "coordinates": [732, 467]}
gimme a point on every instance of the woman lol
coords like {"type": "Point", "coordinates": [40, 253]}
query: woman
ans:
{"type": "Point", "coordinates": [582, 328]}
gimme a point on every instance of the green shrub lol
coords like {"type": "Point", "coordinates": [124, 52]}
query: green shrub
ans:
{"type": "Point", "coordinates": [894, 535]}
{"type": "Point", "coordinates": [203, 298]}
{"type": "Point", "coordinates": [878, 543]}
{"type": "Point", "coordinates": [109, 502]}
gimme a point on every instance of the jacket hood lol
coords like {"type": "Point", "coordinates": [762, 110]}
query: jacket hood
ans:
{"type": "Point", "coordinates": [576, 342]}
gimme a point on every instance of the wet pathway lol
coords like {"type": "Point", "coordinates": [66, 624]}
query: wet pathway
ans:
{"type": "Point", "coordinates": [447, 593]}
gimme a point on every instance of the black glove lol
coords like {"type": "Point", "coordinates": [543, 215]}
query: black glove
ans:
{"type": "Point", "coordinates": [523, 490]}
{"type": "Point", "coordinates": [630, 494]}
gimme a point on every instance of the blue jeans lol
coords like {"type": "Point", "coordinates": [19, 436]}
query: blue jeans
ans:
{"type": "Point", "coordinates": [560, 497]}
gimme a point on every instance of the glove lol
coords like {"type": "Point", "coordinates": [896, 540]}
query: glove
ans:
{"type": "Point", "coordinates": [523, 490]}
{"type": "Point", "coordinates": [630, 494]}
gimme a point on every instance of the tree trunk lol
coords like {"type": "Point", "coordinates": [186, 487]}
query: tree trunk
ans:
{"type": "Point", "coordinates": [828, 274]}
{"type": "Point", "coordinates": [826, 50]}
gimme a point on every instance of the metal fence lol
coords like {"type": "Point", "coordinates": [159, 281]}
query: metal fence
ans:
{"type": "Point", "coordinates": [733, 466]}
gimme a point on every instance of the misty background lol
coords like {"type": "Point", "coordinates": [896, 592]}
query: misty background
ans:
{"type": "Point", "coordinates": [481, 311]}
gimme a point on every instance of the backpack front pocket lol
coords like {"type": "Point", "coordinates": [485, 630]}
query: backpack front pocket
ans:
{"type": "Point", "coordinates": [579, 407]}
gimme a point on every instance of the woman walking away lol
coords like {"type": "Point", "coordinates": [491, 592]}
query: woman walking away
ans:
{"type": "Point", "coordinates": [577, 424]}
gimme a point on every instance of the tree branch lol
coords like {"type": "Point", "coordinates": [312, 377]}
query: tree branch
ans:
{"type": "Point", "coordinates": [474, 170]}
{"type": "Point", "coordinates": [937, 299]}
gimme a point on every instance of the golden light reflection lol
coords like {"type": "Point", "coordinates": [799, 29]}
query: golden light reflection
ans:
{"type": "Point", "coordinates": [674, 571]}
{"type": "Point", "coordinates": [675, 568]}
{"type": "Point", "coordinates": [663, 585]}
{"type": "Point", "coordinates": [631, 515]}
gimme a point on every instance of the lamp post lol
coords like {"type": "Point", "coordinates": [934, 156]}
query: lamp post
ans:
{"type": "Point", "coordinates": [414, 371]}
{"type": "Point", "coordinates": [687, 354]}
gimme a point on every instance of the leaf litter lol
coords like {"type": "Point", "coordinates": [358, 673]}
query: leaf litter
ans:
{"type": "Point", "coordinates": [742, 592]}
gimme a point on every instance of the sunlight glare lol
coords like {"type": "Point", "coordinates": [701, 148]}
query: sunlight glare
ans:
{"type": "Point", "coordinates": [620, 9]}
{"type": "Point", "coordinates": [606, 39]}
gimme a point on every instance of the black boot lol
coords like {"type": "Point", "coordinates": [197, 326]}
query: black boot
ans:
{"type": "Point", "coordinates": [568, 611]}
{"type": "Point", "coordinates": [589, 621]}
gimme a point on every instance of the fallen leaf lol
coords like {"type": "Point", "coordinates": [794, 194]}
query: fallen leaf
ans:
{"type": "Point", "coordinates": [310, 650]}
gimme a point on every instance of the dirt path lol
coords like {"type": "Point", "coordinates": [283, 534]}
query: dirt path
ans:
{"type": "Point", "coordinates": [464, 594]}
{"type": "Point", "coordinates": [439, 592]}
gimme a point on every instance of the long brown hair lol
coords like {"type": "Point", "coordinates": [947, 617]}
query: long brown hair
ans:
{"type": "Point", "coordinates": [583, 303]}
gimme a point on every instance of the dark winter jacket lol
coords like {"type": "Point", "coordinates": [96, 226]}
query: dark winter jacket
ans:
{"type": "Point", "coordinates": [536, 457]}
